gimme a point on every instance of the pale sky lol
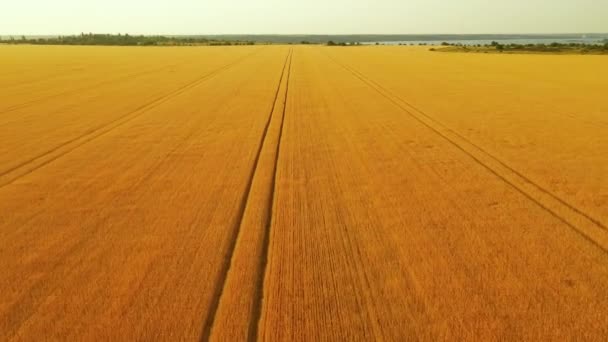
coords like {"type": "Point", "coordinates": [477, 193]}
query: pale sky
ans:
{"type": "Point", "coordinates": [302, 16]}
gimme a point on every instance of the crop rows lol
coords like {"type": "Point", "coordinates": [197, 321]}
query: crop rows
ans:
{"type": "Point", "coordinates": [301, 193]}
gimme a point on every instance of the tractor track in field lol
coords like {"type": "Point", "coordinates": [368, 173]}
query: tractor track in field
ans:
{"type": "Point", "coordinates": [12, 174]}
{"type": "Point", "coordinates": [557, 207]}
{"type": "Point", "coordinates": [146, 176]}
{"type": "Point", "coordinates": [220, 283]}
{"type": "Point", "coordinates": [259, 295]}
{"type": "Point", "coordinates": [85, 88]}
{"type": "Point", "coordinates": [490, 155]}
{"type": "Point", "coordinates": [64, 73]}
{"type": "Point", "coordinates": [38, 285]}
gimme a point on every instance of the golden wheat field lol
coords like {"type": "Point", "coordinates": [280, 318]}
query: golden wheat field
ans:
{"type": "Point", "coordinates": [290, 193]}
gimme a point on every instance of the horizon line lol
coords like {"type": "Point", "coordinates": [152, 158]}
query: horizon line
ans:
{"type": "Point", "coordinates": [305, 34]}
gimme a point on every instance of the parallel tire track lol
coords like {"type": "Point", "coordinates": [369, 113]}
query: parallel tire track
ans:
{"type": "Point", "coordinates": [24, 307]}
{"type": "Point", "coordinates": [218, 293]}
{"type": "Point", "coordinates": [589, 228]}
{"type": "Point", "coordinates": [89, 87]}
{"type": "Point", "coordinates": [30, 165]}
{"type": "Point", "coordinates": [484, 151]}
{"type": "Point", "coordinates": [259, 296]}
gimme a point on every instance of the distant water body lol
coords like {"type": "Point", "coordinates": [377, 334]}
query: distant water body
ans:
{"type": "Point", "coordinates": [501, 41]}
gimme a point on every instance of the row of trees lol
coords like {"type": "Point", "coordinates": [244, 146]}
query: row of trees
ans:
{"type": "Point", "coordinates": [332, 43]}
{"type": "Point", "coordinates": [124, 40]}
{"type": "Point", "coordinates": [555, 47]}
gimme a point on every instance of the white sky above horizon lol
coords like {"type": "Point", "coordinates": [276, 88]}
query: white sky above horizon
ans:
{"type": "Point", "coordinates": [32, 17]}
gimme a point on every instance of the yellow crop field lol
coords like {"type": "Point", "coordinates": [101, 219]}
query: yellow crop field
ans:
{"type": "Point", "coordinates": [289, 193]}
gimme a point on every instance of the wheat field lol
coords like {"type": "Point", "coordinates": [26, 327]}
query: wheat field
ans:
{"type": "Point", "coordinates": [289, 193]}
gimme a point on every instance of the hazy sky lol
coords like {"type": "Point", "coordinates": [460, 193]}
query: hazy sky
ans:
{"type": "Point", "coordinates": [302, 16]}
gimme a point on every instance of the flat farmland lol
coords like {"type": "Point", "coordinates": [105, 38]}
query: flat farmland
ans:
{"type": "Point", "coordinates": [302, 193]}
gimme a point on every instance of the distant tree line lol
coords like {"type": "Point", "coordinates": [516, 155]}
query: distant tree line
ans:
{"type": "Point", "coordinates": [540, 47]}
{"type": "Point", "coordinates": [124, 40]}
{"type": "Point", "coordinates": [372, 38]}
{"type": "Point", "coordinates": [332, 43]}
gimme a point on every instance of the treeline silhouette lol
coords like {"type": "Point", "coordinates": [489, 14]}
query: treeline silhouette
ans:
{"type": "Point", "coordinates": [124, 40]}
{"type": "Point", "coordinates": [552, 47]}
{"type": "Point", "coordinates": [372, 38]}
